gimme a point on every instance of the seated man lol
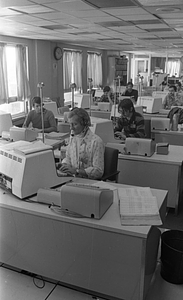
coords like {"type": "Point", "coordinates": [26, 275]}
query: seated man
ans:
{"type": "Point", "coordinates": [108, 96]}
{"type": "Point", "coordinates": [85, 151]}
{"type": "Point", "coordinates": [130, 92]}
{"type": "Point", "coordinates": [34, 117]}
{"type": "Point", "coordinates": [131, 123]}
{"type": "Point", "coordinates": [172, 99]}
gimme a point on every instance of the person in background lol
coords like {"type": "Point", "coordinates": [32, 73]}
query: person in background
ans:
{"type": "Point", "coordinates": [130, 92]}
{"type": "Point", "coordinates": [164, 83]}
{"type": "Point", "coordinates": [108, 95]}
{"type": "Point", "coordinates": [34, 117]}
{"type": "Point", "coordinates": [85, 151]}
{"type": "Point", "coordinates": [131, 123]}
{"type": "Point", "coordinates": [172, 99]}
{"type": "Point", "coordinates": [179, 88]}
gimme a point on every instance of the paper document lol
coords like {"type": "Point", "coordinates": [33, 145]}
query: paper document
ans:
{"type": "Point", "coordinates": [31, 147]}
{"type": "Point", "coordinates": [138, 207]}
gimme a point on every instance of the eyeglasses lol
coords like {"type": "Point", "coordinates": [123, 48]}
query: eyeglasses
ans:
{"type": "Point", "coordinates": [123, 111]}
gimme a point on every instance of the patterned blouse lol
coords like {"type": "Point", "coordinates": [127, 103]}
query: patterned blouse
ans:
{"type": "Point", "coordinates": [86, 152]}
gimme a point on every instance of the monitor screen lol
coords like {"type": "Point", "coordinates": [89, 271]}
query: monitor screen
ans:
{"type": "Point", "coordinates": [5, 122]}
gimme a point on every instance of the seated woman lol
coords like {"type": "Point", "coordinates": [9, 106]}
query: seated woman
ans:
{"type": "Point", "coordinates": [85, 152]}
{"type": "Point", "coordinates": [35, 118]}
{"type": "Point", "coordinates": [131, 123]}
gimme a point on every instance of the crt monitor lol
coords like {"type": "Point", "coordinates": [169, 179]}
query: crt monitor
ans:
{"type": "Point", "coordinates": [23, 134]}
{"type": "Point", "coordinates": [82, 100]}
{"type": "Point", "coordinates": [104, 129]}
{"type": "Point", "coordinates": [5, 122]}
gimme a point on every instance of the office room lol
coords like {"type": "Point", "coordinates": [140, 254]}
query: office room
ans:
{"type": "Point", "coordinates": [114, 228]}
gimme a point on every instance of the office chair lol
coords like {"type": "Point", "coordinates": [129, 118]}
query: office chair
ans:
{"type": "Point", "coordinates": [110, 164]}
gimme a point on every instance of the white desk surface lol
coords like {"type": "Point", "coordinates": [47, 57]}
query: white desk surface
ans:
{"type": "Point", "coordinates": [175, 156]}
{"type": "Point", "coordinates": [109, 222]}
{"type": "Point", "coordinates": [168, 132]}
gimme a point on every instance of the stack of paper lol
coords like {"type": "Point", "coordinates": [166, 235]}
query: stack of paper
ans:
{"type": "Point", "coordinates": [138, 207]}
{"type": "Point", "coordinates": [57, 135]}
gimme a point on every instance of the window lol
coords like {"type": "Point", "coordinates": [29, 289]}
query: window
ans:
{"type": "Point", "coordinates": [14, 84]}
{"type": "Point", "coordinates": [94, 68]}
{"type": "Point", "coordinates": [72, 68]}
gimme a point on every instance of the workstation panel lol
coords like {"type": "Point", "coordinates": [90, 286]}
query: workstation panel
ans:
{"type": "Point", "coordinates": [100, 257]}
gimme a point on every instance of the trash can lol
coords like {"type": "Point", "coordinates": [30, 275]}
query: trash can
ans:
{"type": "Point", "coordinates": [172, 256]}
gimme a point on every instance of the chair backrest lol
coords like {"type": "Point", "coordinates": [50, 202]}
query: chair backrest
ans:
{"type": "Point", "coordinates": [110, 164]}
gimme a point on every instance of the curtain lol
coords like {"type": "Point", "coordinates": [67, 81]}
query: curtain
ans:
{"type": "Point", "coordinates": [77, 69]}
{"type": "Point", "coordinates": [173, 68]}
{"type": "Point", "coordinates": [23, 88]}
{"type": "Point", "coordinates": [94, 68]}
{"type": "Point", "coordinates": [67, 69]}
{"type": "Point", "coordinates": [3, 76]}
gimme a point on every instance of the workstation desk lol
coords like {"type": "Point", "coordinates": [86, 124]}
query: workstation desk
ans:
{"type": "Point", "coordinates": [171, 137]}
{"type": "Point", "coordinates": [100, 257]}
{"type": "Point", "coordinates": [147, 121]}
{"type": "Point", "coordinates": [158, 171]}
{"type": "Point", "coordinates": [101, 114]}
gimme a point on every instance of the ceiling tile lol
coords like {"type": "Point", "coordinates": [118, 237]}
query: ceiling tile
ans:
{"type": "Point", "coordinates": [76, 5]}
{"type": "Point", "coordinates": [137, 17]}
{"type": "Point", "coordinates": [8, 12]}
{"type": "Point", "coordinates": [158, 3]}
{"type": "Point", "coordinates": [32, 9]}
{"type": "Point", "coordinates": [126, 11]}
{"type": "Point", "coordinates": [9, 3]}
{"type": "Point", "coordinates": [153, 26]}
{"type": "Point", "coordinates": [101, 19]}
{"type": "Point", "coordinates": [171, 15]}
{"type": "Point", "coordinates": [111, 3]}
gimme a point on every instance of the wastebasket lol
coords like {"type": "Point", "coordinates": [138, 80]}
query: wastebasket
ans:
{"type": "Point", "coordinates": [172, 256]}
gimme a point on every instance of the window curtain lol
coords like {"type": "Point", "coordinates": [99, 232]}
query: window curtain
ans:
{"type": "Point", "coordinates": [173, 68]}
{"type": "Point", "coordinates": [23, 87]}
{"type": "Point", "coordinates": [3, 75]}
{"type": "Point", "coordinates": [77, 69]}
{"type": "Point", "coordinates": [94, 68]}
{"type": "Point", "coordinates": [67, 69]}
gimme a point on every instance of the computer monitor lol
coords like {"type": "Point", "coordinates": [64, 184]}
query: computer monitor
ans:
{"type": "Point", "coordinates": [51, 105]}
{"type": "Point", "coordinates": [5, 122]}
{"type": "Point", "coordinates": [22, 134]}
{"type": "Point", "coordinates": [151, 105]}
{"type": "Point", "coordinates": [104, 129]}
{"type": "Point", "coordinates": [98, 93]}
{"type": "Point", "coordinates": [82, 100]}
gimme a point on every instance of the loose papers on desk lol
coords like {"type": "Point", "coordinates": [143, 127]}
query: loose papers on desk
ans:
{"type": "Point", "coordinates": [138, 207]}
{"type": "Point", "coordinates": [24, 147]}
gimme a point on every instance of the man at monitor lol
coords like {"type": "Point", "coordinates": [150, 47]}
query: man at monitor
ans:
{"type": "Point", "coordinates": [172, 98]}
{"type": "Point", "coordinates": [130, 92]}
{"type": "Point", "coordinates": [131, 123]}
{"type": "Point", "coordinates": [85, 152]}
{"type": "Point", "coordinates": [35, 118]}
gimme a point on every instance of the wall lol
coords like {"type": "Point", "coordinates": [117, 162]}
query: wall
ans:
{"type": "Point", "coordinates": [44, 68]}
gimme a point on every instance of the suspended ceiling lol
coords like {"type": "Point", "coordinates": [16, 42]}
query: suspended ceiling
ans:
{"type": "Point", "coordinates": [143, 26]}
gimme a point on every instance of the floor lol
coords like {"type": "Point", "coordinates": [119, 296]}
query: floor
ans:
{"type": "Point", "coordinates": [15, 285]}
